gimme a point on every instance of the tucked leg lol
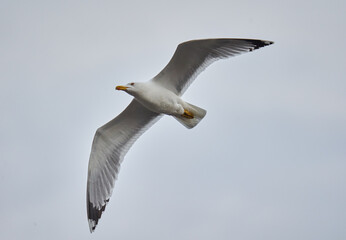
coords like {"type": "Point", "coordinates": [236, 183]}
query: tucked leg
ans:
{"type": "Point", "coordinates": [187, 114]}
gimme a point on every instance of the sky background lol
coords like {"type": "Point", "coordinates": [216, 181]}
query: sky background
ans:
{"type": "Point", "coordinates": [267, 162]}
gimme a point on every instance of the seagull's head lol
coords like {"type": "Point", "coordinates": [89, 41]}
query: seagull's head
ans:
{"type": "Point", "coordinates": [130, 88]}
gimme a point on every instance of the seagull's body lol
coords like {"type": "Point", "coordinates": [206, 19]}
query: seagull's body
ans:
{"type": "Point", "coordinates": [157, 98]}
{"type": "Point", "coordinates": [153, 99]}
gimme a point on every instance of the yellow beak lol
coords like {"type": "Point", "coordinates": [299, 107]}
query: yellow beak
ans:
{"type": "Point", "coordinates": [121, 88]}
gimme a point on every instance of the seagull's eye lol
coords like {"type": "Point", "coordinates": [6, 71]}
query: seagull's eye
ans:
{"type": "Point", "coordinates": [132, 84]}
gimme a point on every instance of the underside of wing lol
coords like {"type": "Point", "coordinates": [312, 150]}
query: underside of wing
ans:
{"type": "Point", "coordinates": [111, 143]}
{"type": "Point", "coordinates": [192, 57]}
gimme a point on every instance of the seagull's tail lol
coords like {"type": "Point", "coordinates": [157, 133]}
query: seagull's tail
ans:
{"type": "Point", "coordinates": [194, 116]}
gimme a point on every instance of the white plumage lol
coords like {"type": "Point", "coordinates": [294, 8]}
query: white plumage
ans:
{"type": "Point", "coordinates": [161, 95]}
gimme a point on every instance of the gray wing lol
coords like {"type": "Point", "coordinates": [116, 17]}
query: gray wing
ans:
{"type": "Point", "coordinates": [192, 57]}
{"type": "Point", "coordinates": [111, 143]}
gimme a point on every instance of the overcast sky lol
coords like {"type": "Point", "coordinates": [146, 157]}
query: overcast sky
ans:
{"type": "Point", "coordinates": [267, 162]}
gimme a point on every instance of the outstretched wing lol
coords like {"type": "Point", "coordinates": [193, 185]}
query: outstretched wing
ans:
{"type": "Point", "coordinates": [111, 143]}
{"type": "Point", "coordinates": [192, 57]}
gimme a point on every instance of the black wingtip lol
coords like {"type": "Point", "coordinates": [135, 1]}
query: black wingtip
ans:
{"type": "Point", "coordinates": [258, 43]}
{"type": "Point", "coordinates": [266, 43]}
{"type": "Point", "coordinates": [94, 215]}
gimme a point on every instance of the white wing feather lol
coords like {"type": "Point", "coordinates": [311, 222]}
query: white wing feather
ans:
{"type": "Point", "coordinates": [111, 143]}
{"type": "Point", "coordinates": [192, 57]}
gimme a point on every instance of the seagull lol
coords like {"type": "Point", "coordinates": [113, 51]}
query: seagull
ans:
{"type": "Point", "coordinates": [153, 99]}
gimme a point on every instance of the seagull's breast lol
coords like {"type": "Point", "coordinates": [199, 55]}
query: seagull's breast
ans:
{"type": "Point", "coordinates": [160, 100]}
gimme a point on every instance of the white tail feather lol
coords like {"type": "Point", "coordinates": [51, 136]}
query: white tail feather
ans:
{"type": "Point", "coordinates": [197, 112]}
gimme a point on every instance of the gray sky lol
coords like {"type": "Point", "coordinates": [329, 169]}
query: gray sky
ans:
{"type": "Point", "coordinates": [267, 162]}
